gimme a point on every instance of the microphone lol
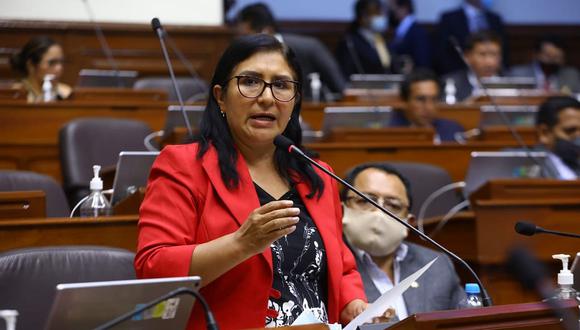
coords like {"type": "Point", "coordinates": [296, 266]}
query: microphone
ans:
{"type": "Point", "coordinates": [501, 113]}
{"type": "Point", "coordinates": [530, 229]}
{"type": "Point", "coordinates": [210, 320]}
{"type": "Point", "coordinates": [103, 42]}
{"type": "Point", "coordinates": [534, 276]}
{"type": "Point", "coordinates": [156, 25]}
{"type": "Point", "coordinates": [285, 143]}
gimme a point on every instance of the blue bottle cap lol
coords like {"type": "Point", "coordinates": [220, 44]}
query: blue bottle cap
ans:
{"type": "Point", "coordinates": [472, 288]}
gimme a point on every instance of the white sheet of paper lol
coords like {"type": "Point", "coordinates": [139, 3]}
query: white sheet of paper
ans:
{"type": "Point", "coordinates": [385, 301]}
{"type": "Point", "coordinates": [308, 317]}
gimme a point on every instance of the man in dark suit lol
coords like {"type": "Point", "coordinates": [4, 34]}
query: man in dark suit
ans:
{"type": "Point", "coordinates": [421, 92]}
{"type": "Point", "coordinates": [558, 127]}
{"type": "Point", "coordinates": [483, 53]}
{"type": "Point", "coordinates": [311, 53]}
{"type": "Point", "coordinates": [411, 46]}
{"type": "Point", "coordinates": [549, 69]}
{"type": "Point", "coordinates": [363, 49]}
{"type": "Point", "coordinates": [383, 257]}
{"type": "Point", "coordinates": [470, 18]}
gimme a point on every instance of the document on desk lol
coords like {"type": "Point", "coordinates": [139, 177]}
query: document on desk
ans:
{"type": "Point", "coordinates": [385, 301]}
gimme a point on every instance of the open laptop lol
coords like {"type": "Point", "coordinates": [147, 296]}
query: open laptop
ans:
{"type": "Point", "coordinates": [356, 117]}
{"type": "Point", "coordinates": [509, 82]}
{"type": "Point", "coordinates": [485, 166]}
{"type": "Point", "coordinates": [174, 117]}
{"type": "Point", "coordinates": [107, 78]}
{"type": "Point", "coordinates": [91, 304]}
{"type": "Point", "coordinates": [520, 116]}
{"type": "Point", "coordinates": [132, 173]}
{"type": "Point", "coordinates": [376, 81]}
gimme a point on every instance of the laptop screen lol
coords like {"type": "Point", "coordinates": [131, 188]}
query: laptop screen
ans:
{"type": "Point", "coordinates": [91, 304]}
{"type": "Point", "coordinates": [485, 166]}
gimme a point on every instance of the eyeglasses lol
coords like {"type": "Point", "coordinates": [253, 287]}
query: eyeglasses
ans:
{"type": "Point", "coordinates": [392, 204]}
{"type": "Point", "coordinates": [252, 87]}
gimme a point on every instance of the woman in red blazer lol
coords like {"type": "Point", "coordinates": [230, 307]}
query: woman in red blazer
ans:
{"type": "Point", "coordinates": [261, 228]}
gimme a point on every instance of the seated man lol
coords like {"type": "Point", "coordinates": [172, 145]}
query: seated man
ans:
{"type": "Point", "coordinates": [383, 257]}
{"type": "Point", "coordinates": [421, 92]}
{"type": "Point", "coordinates": [558, 127]}
{"type": "Point", "coordinates": [549, 69]}
{"type": "Point", "coordinates": [312, 55]}
{"type": "Point", "coordinates": [483, 52]}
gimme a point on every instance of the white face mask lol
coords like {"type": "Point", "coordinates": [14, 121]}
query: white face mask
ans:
{"type": "Point", "coordinates": [374, 232]}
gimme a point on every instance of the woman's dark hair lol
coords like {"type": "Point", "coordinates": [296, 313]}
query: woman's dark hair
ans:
{"type": "Point", "coordinates": [32, 51]}
{"type": "Point", "coordinates": [214, 129]}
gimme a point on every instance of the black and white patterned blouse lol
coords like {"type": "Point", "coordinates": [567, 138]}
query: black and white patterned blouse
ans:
{"type": "Point", "coordinates": [300, 269]}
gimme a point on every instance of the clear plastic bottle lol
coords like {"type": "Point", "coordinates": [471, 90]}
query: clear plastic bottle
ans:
{"type": "Point", "coordinates": [48, 94]}
{"type": "Point", "coordinates": [565, 280]}
{"type": "Point", "coordinates": [473, 298]}
{"type": "Point", "coordinates": [315, 86]}
{"type": "Point", "coordinates": [96, 204]}
{"type": "Point", "coordinates": [450, 91]}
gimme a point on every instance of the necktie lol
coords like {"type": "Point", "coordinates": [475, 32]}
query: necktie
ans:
{"type": "Point", "coordinates": [382, 51]}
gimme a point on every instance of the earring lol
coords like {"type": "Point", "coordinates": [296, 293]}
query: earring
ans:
{"type": "Point", "coordinates": [223, 114]}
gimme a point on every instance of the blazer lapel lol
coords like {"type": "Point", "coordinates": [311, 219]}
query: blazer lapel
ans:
{"type": "Point", "coordinates": [241, 201]}
{"type": "Point", "coordinates": [414, 300]}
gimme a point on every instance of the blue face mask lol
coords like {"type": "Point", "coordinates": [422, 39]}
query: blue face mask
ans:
{"type": "Point", "coordinates": [379, 24]}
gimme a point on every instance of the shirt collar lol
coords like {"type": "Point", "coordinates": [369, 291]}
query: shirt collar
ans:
{"type": "Point", "coordinates": [279, 37]}
{"type": "Point", "coordinates": [471, 11]}
{"type": "Point", "coordinates": [404, 26]}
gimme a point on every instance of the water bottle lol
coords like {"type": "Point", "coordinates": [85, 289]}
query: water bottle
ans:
{"type": "Point", "coordinates": [473, 298]}
{"type": "Point", "coordinates": [48, 94]}
{"type": "Point", "coordinates": [450, 91]}
{"type": "Point", "coordinates": [315, 86]}
{"type": "Point", "coordinates": [96, 204]}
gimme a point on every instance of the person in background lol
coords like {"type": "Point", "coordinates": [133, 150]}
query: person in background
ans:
{"type": "Point", "coordinates": [558, 128]}
{"type": "Point", "coordinates": [363, 49]}
{"type": "Point", "coordinates": [410, 47]}
{"type": "Point", "coordinates": [261, 228]}
{"type": "Point", "coordinates": [313, 56]}
{"type": "Point", "coordinates": [483, 52]}
{"type": "Point", "coordinates": [421, 93]}
{"type": "Point", "coordinates": [473, 16]}
{"type": "Point", "coordinates": [39, 59]}
{"type": "Point", "coordinates": [378, 243]}
{"type": "Point", "coordinates": [549, 68]}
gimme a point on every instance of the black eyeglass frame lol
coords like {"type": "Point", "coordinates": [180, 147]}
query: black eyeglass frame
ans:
{"type": "Point", "coordinates": [266, 84]}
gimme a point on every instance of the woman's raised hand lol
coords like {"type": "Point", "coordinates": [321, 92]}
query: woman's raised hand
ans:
{"type": "Point", "coordinates": [266, 224]}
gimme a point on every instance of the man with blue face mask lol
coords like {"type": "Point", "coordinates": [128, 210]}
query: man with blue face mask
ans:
{"type": "Point", "coordinates": [558, 127]}
{"type": "Point", "coordinates": [363, 48]}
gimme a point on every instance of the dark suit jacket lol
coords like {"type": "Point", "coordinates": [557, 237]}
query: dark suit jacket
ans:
{"type": "Point", "coordinates": [313, 56]}
{"type": "Point", "coordinates": [187, 203]}
{"type": "Point", "coordinates": [454, 23]}
{"type": "Point", "coordinates": [439, 287]}
{"type": "Point", "coordinates": [445, 128]}
{"type": "Point", "coordinates": [416, 44]}
{"type": "Point", "coordinates": [361, 49]}
{"type": "Point", "coordinates": [464, 89]}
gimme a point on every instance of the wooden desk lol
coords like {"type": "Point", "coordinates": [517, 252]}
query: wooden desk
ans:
{"type": "Point", "coordinates": [117, 231]}
{"type": "Point", "coordinates": [22, 204]}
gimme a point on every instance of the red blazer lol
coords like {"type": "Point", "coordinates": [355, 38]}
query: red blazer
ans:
{"type": "Point", "coordinates": [187, 203]}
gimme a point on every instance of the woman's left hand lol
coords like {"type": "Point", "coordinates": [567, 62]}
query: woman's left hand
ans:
{"type": "Point", "coordinates": [357, 306]}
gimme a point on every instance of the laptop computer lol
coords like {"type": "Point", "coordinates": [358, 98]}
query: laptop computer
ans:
{"type": "Point", "coordinates": [356, 117]}
{"type": "Point", "coordinates": [509, 82]}
{"type": "Point", "coordinates": [376, 81]}
{"type": "Point", "coordinates": [521, 116]}
{"type": "Point", "coordinates": [91, 304]}
{"type": "Point", "coordinates": [485, 166]}
{"type": "Point", "coordinates": [174, 117]}
{"type": "Point", "coordinates": [132, 173]}
{"type": "Point", "coordinates": [107, 78]}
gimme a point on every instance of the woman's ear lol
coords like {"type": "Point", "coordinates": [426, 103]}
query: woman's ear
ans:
{"type": "Point", "coordinates": [218, 94]}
